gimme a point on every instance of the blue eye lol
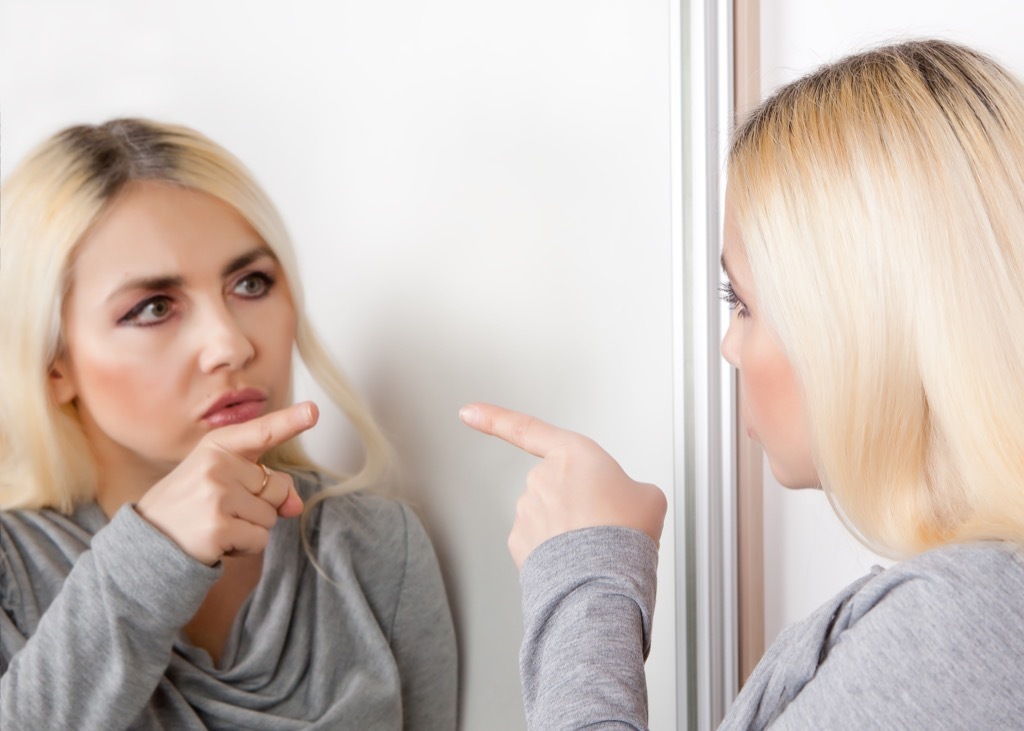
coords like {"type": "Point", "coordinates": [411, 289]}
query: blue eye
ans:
{"type": "Point", "coordinates": [728, 295]}
{"type": "Point", "coordinates": [150, 311]}
{"type": "Point", "coordinates": [254, 285]}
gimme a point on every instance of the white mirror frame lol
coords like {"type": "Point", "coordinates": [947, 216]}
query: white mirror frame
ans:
{"type": "Point", "coordinates": [704, 408]}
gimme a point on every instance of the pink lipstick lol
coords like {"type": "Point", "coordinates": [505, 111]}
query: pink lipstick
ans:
{"type": "Point", "coordinates": [235, 407]}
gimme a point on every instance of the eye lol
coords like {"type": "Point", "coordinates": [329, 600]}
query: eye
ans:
{"type": "Point", "coordinates": [728, 295]}
{"type": "Point", "coordinates": [254, 285]}
{"type": "Point", "coordinates": [150, 311]}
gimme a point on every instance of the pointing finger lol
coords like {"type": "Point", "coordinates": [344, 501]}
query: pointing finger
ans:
{"type": "Point", "coordinates": [253, 438]}
{"type": "Point", "coordinates": [526, 432]}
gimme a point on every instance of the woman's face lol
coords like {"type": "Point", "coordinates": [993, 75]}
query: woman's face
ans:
{"type": "Point", "coordinates": [773, 408]}
{"type": "Point", "coordinates": [178, 321]}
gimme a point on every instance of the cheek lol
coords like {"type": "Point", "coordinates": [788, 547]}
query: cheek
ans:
{"type": "Point", "coordinates": [273, 332]}
{"type": "Point", "coordinates": [765, 387]}
{"type": "Point", "coordinates": [770, 389]}
{"type": "Point", "coordinates": [121, 384]}
{"type": "Point", "coordinates": [775, 411]}
{"type": "Point", "coordinates": [282, 334]}
{"type": "Point", "coordinates": [132, 401]}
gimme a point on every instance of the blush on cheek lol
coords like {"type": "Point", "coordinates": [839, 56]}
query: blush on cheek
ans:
{"type": "Point", "coordinates": [769, 389]}
{"type": "Point", "coordinates": [774, 407]}
{"type": "Point", "coordinates": [119, 395]}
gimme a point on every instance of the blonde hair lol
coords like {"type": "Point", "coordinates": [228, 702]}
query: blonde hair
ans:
{"type": "Point", "coordinates": [881, 205]}
{"type": "Point", "coordinates": [46, 206]}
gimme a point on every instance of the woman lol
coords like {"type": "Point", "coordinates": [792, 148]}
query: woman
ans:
{"type": "Point", "coordinates": [874, 247]}
{"type": "Point", "coordinates": [153, 573]}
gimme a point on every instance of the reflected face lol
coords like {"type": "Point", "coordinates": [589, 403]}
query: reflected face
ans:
{"type": "Point", "coordinates": [178, 321]}
{"type": "Point", "coordinates": [773, 409]}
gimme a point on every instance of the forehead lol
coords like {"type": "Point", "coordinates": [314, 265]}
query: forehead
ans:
{"type": "Point", "coordinates": [159, 229]}
{"type": "Point", "coordinates": [734, 257]}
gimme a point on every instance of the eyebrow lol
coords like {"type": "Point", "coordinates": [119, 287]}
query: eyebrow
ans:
{"type": "Point", "coordinates": [725, 267]}
{"type": "Point", "coordinates": [241, 262]}
{"type": "Point", "coordinates": [170, 282]}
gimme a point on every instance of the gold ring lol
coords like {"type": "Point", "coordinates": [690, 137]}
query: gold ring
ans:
{"type": "Point", "coordinates": [266, 479]}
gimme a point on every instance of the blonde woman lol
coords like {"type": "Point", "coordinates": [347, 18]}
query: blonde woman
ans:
{"type": "Point", "coordinates": [154, 568]}
{"type": "Point", "coordinates": [874, 249]}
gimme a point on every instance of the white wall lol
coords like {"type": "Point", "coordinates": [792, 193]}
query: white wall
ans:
{"type": "Point", "coordinates": [480, 197]}
{"type": "Point", "coordinates": [808, 555]}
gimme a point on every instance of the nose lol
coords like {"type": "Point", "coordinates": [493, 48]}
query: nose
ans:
{"type": "Point", "coordinates": [224, 343]}
{"type": "Point", "coordinates": [730, 347]}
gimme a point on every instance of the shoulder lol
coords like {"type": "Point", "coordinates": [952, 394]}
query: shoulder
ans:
{"type": "Point", "coordinates": [958, 598]}
{"type": "Point", "coordinates": [932, 642]}
{"type": "Point", "coordinates": [42, 536]}
{"type": "Point", "coordinates": [951, 586]}
{"type": "Point", "coordinates": [38, 549]}
{"type": "Point", "coordinates": [942, 633]}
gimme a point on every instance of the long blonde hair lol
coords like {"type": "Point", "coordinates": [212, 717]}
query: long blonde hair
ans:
{"type": "Point", "coordinates": [46, 206]}
{"type": "Point", "coordinates": [881, 205]}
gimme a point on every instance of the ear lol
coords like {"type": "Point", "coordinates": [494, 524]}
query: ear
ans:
{"type": "Point", "coordinates": [61, 383]}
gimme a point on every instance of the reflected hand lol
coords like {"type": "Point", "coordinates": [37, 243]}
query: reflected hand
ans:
{"type": "Point", "coordinates": [219, 500]}
{"type": "Point", "coordinates": [576, 485]}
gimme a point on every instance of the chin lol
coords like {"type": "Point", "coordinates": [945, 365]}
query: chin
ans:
{"type": "Point", "coordinates": [795, 479]}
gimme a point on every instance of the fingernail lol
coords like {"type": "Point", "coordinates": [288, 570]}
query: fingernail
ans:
{"type": "Point", "coordinates": [470, 415]}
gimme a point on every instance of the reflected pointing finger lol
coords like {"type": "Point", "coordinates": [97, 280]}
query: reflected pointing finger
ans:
{"type": "Point", "coordinates": [252, 438]}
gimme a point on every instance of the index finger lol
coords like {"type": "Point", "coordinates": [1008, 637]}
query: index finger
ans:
{"type": "Point", "coordinates": [521, 430]}
{"type": "Point", "coordinates": [252, 439]}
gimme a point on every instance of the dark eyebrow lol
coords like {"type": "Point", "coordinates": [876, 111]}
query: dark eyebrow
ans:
{"type": "Point", "coordinates": [147, 283]}
{"type": "Point", "coordinates": [241, 262]}
{"type": "Point", "coordinates": [153, 284]}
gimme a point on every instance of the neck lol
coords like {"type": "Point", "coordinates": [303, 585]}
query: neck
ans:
{"type": "Point", "coordinates": [124, 484]}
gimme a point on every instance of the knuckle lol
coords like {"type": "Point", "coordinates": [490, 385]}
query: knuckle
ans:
{"type": "Point", "coordinates": [260, 540]}
{"type": "Point", "coordinates": [656, 496]}
{"type": "Point", "coordinates": [208, 474]}
{"type": "Point", "coordinates": [286, 482]}
{"type": "Point", "coordinates": [264, 435]}
{"type": "Point", "coordinates": [219, 524]}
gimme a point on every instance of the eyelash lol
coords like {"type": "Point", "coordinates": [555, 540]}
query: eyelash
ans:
{"type": "Point", "coordinates": [728, 295]}
{"type": "Point", "coordinates": [268, 284]}
{"type": "Point", "coordinates": [133, 315]}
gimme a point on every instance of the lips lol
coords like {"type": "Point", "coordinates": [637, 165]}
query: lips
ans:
{"type": "Point", "coordinates": [236, 407]}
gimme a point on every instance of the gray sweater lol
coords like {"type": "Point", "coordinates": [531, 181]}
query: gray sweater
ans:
{"type": "Point", "coordinates": [92, 612]}
{"type": "Point", "coordinates": [936, 642]}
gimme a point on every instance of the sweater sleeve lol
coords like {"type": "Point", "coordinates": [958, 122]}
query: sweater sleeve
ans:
{"type": "Point", "coordinates": [423, 637]}
{"type": "Point", "coordinates": [104, 642]}
{"type": "Point", "coordinates": [588, 605]}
